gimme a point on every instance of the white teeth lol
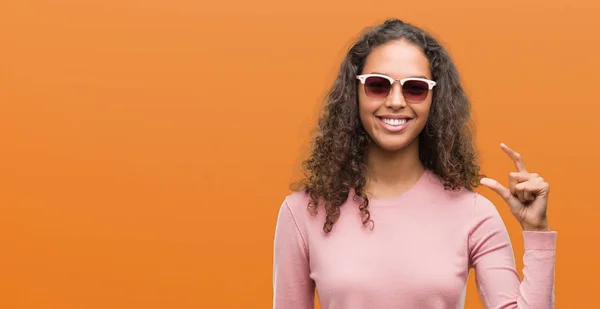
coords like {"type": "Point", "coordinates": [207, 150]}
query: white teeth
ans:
{"type": "Point", "coordinates": [394, 122]}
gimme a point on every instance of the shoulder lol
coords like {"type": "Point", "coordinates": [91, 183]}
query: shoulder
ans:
{"type": "Point", "coordinates": [297, 202]}
{"type": "Point", "coordinates": [482, 206]}
{"type": "Point", "coordinates": [469, 202]}
{"type": "Point", "coordinates": [475, 204]}
{"type": "Point", "coordinates": [297, 198]}
{"type": "Point", "coordinates": [296, 205]}
{"type": "Point", "coordinates": [295, 217]}
{"type": "Point", "coordinates": [485, 216]}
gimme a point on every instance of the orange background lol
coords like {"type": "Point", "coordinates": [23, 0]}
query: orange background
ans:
{"type": "Point", "coordinates": [146, 146]}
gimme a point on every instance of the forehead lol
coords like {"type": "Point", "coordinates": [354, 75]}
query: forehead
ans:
{"type": "Point", "coordinates": [398, 59]}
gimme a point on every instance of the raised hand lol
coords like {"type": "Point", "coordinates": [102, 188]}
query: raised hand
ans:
{"type": "Point", "coordinates": [527, 194]}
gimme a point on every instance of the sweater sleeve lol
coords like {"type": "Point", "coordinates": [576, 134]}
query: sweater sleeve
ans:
{"type": "Point", "coordinates": [492, 257]}
{"type": "Point", "coordinates": [292, 286]}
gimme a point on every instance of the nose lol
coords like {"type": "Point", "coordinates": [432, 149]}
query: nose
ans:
{"type": "Point", "coordinates": [395, 99]}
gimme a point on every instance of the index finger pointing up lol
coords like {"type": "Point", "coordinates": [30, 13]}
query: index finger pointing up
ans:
{"type": "Point", "coordinates": [515, 156]}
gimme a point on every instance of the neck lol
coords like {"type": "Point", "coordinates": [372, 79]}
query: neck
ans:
{"type": "Point", "coordinates": [392, 173]}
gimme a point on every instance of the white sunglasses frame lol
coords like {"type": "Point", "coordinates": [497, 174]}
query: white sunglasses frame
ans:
{"type": "Point", "coordinates": [363, 79]}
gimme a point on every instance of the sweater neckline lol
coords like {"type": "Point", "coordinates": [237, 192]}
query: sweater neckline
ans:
{"type": "Point", "coordinates": [393, 201]}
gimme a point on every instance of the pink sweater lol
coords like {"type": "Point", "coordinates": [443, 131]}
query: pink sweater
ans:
{"type": "Point", "coordinates": [419, 254]}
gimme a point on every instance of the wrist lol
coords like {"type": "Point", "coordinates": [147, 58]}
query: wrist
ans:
{"type": "Point", "coordinates": [540, 227]}
{"type": "Point", "coordinates": [536, 229]}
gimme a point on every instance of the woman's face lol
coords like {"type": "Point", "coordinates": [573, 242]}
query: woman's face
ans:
{"type": "Point", "coordinates": [392, 122]}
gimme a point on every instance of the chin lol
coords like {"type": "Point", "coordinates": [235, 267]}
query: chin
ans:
{"type": "Point", "coordinates": [392, 146]}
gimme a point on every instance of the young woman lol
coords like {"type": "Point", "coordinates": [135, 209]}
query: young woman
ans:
{"type": "Point", "coordinates": [387, 216]}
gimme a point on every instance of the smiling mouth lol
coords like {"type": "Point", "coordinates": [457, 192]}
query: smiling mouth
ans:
{"type": "Point", "coordinates": [394, 122]}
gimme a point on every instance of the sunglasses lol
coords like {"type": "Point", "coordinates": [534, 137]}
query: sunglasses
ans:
{"type": "Point", "coordinates": [379, 86]}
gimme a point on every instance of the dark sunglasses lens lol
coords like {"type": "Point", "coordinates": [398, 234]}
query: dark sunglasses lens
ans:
{"type": "Point", "coordinates": [415, 90]}
{"type": "Point", "coordinates": [377, 87]}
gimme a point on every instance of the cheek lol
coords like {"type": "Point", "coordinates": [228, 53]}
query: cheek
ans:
{"type": "Point", "coordinates": [422, 113]}
{"type": "Point", "coordinates": [366, 110]}
{"type": "Point", "coordinates": [422, 110]}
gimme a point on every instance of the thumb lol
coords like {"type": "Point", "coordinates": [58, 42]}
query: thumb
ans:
{"type": "Point", "coordinates": [498, 188]}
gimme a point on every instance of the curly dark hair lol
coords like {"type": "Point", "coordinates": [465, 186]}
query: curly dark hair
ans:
{"type": "Point", "coordinates": [337, 163]}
